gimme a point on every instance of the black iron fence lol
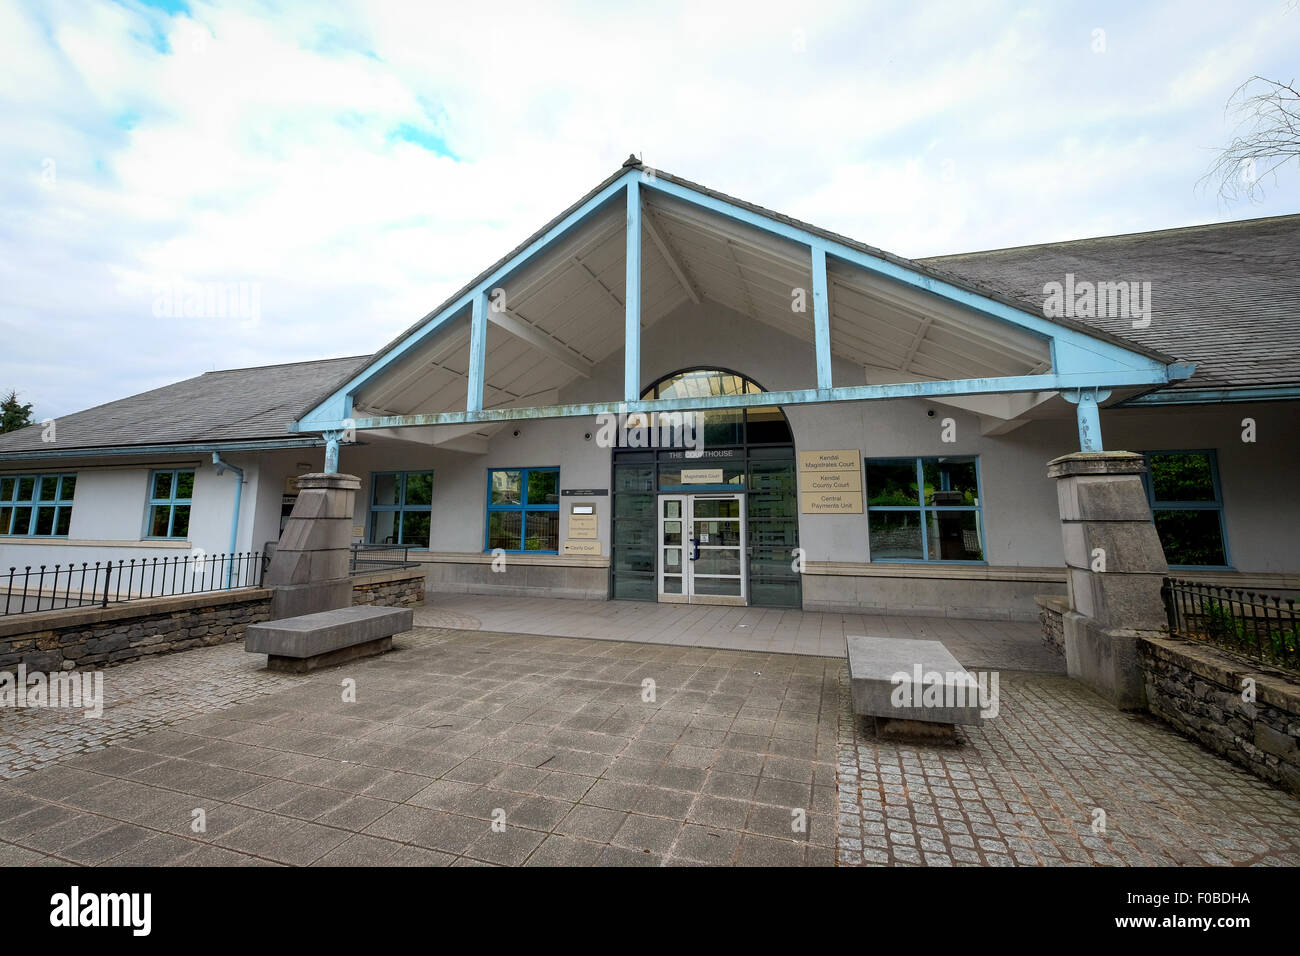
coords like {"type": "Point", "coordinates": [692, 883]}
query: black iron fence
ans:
{"type": "Point", "coordinates": [1263, 626]}
{"type": "Point", "coordinates": [380, 557]}
{"type": "Point", "coordinates": [102, 583]}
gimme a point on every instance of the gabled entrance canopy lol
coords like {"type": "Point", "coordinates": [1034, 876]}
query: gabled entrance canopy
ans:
{"type": "Point", "coordinates": [644, 243]}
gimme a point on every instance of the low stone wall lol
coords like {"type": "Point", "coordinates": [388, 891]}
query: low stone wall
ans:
{"type": "Point", "coordinates": [1051, 611]}
{"type": "Point", "coordinates": [991, 592]}
{"type": "Point", "coordinates": [100, 636]}
{"type": "Point", "coordinates": [523, 575]}
{"type": "Point", "coordinates": [403, 588]}
{"type": "Point", "coordinates": [1198, 690]}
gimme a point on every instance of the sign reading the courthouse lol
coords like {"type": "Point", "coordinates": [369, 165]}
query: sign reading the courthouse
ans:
{"type": "Point", "coordinates": [830, 482]}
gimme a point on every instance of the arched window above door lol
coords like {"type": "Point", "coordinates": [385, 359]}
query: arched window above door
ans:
{"type": "Point", "coordinates": [758, 425]}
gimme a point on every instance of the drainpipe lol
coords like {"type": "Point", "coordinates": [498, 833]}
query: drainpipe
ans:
{"type": "Point", "coordinates": [234, 522]}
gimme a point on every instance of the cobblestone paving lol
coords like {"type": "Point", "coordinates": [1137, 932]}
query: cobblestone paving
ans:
{"type": "Point", "coordinates": [1025, 787]}
{"type": "Point", "coordinates": [140, 697]}
{"type": "Point", "coordinates": [456, 725]}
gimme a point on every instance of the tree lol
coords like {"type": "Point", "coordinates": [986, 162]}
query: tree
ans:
{"type": "Point", "coordinates": [14, 415]}
{"type": "Point", "coordinates": [1266, 138]}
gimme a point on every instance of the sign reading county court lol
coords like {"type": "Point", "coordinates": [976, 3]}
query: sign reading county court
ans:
{"type": "Point", "coordinates": [582, 547]}
{"type": "Point", "coordinates": [830, 482]}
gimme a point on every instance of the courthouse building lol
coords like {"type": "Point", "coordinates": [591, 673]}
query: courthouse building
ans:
{"type": "Point", "coordinates": [856, 430]}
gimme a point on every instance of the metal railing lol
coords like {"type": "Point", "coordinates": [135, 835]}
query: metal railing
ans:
{"type": "Point", "coordinates": [380, 557]}
{"type": "Point", "coordinates": [1262, 626]}
{"type": "Point", "coordinates": [103, 583]}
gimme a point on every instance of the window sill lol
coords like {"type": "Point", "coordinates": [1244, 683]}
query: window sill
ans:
{"type": "Point", "coordinates": [177, 543]}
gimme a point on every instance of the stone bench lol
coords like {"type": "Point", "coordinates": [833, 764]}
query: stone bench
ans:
{"type": "Point", "coordinates": [326, 638]}
{"type": "Point", "coordinates": [913, 689]}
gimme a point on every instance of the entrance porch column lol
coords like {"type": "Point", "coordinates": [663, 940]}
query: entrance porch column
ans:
{"type": "Point", "coordinates": [1115, 567]}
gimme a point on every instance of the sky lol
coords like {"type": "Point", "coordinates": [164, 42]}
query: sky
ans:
{"type": "Point", "coordinates": [342, 167]}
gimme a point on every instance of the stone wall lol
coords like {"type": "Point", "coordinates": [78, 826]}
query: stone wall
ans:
{"type": "Point", "coordinates": [1198, 690]}
{"type": "Point", "coordinates": [404, 588]}
{"type": "Point", "coordinates": [100, 636]}
{"type": "Point", "coordinates": [1051, 613]}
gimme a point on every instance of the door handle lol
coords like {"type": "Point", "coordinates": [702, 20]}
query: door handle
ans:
{"type": "Point", "coordinates": [696, 543]}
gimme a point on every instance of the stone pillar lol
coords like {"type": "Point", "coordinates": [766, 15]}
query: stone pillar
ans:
{"type": "Point", "coordinates": [309, 570]}
{"type": "Point", "coordinates": [1115, 569]}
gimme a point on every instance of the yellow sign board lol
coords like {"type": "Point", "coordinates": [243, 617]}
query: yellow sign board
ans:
{"type": "Point", "coordinates": [828, 503]}
{"type": "Point", "coordinates": [582, 526]}
{"type": "Point", "coordinates": [830, 482]}
{"type": "Point", "coordinates": [582, 547]}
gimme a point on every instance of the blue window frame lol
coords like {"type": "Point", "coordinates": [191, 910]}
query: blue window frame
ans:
{"type": "Point", "coordinates": [401, 508]}
{"type": "Point", "coordinates": [1187, 507]}
{"type": "Point", "coordinates": [36, 505]}
{"type": "Point", "coordinates": [523, 510]}
{"type": "Point", "coordinates": [171, 493]}
{"type": "Point", "coordinates": [925, 509]}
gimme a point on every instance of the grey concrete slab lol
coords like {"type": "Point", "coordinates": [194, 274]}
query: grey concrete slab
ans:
{"type": "Point", "coordinates": [309, 635]}
{"type": "Point", "coordinates": [910, 680]}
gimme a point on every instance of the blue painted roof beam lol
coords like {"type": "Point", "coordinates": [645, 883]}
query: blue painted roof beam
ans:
{"type": "Point", "coordinates": [632, 295]}
{"type": "Point", "coordinates": [1079, 360]}
{"type": "Point", "coordinates": [1049, 381]}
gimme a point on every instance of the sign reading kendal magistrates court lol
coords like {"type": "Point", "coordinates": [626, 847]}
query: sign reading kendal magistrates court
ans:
{"type": "Point", "coordinates": [830, 482]}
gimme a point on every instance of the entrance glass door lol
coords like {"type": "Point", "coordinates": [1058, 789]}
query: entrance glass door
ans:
{"type": "Point", "coordinates": [702, 549]}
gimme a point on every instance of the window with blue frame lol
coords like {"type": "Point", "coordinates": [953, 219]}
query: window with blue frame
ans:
{"type": "Point", "coordinates": [523, 512]}
{"type": "Point", "coordinates": [171, 493]}
{"type": "Point", "coordinates": [401, 508]}
{"type": "Point", "coordinates": [1187, 507]}
{"type": "Point", "coordinates": [924, 509]}
{"type": "Point", "coordinates": [36, 505]}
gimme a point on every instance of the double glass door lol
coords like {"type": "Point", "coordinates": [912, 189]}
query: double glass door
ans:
{"type": "Point", "coordinates": [702, 549]}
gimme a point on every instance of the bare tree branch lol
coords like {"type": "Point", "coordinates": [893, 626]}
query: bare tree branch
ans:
{"type": "Point", "coordinates": [1266, 137]}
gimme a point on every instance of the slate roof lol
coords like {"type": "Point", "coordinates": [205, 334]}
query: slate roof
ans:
{"type": "Point", "coordinates": [243, 404]}
{"type": "Point", "coordinates": [1224, 296]}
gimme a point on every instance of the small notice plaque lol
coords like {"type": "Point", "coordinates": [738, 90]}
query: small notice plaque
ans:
{"type": "Point", "coordinates": [847, 460]}
{"type": "Point", "coordinates": [582, 547]}
{"type": "Point", "coordinates": [583, 492]}
{"type": "Point", "coordinates": [582, 526]}
{"type": "Point", "coordinates": [701, 476]}
{"type": "Point", "coordinates": [832, 481]}
{"type": "Point", "coordinates": [826, 503]}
